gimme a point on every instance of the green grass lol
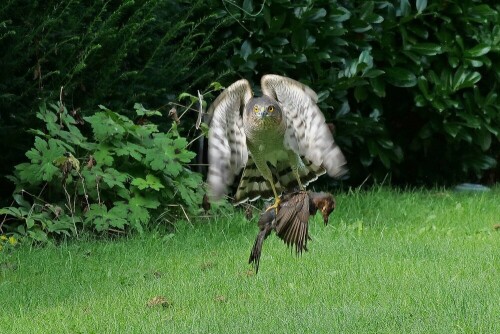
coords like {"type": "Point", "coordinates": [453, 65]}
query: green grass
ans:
{"type": "Point", "coordinates": [389, 262]}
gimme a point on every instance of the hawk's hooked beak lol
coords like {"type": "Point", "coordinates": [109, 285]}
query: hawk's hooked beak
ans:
{"type": "Point", "coordinates": [262, 112]}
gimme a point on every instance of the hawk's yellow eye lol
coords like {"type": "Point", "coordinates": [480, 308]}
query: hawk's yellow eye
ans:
{"type": "Point", "coordinates": [256, 108]}
{"type": "Point", "coordinates": [270, 108]}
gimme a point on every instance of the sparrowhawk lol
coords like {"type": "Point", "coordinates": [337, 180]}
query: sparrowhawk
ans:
{"type": "Point", "coordinates": [280, 139]}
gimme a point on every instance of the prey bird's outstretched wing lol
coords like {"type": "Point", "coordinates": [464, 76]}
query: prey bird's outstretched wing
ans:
{"type": "Point", "coordinates": [306, 133]}
{"type": "Point", "coordinates": [227, 148]}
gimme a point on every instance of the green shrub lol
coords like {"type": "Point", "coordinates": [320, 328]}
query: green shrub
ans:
{"type": "Point", "coordinates": [118, 180]}
{"type": "Point", "coordinates": [411, 85]}
{"type": "Point", "coordinates": [104, 52]}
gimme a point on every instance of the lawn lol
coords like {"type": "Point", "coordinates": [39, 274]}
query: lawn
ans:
{"type": "Point", "coordinates": [388, 262]}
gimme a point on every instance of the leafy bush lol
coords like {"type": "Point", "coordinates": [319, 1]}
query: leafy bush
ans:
{"type": "Point", "coordinates": [411, 85]}
{"type": "Point", "coordinates": [111, 52]}
{"type": "Point", "coordinates": [115, 181]}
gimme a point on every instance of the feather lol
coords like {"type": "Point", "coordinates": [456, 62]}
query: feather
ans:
{"type": "Point", "coordinates": [306, 131]}
{"type": "Point", "coordinates": [227, 149]}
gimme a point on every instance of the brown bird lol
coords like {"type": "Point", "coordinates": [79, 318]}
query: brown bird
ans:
{"type": "Point", "coordinates": [291, 221]}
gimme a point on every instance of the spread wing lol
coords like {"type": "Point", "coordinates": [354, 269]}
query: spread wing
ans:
{"type": "Point", "coordinates": [292, 221]}
{"type": "Point", "coordinates": [227, 148]}
{"type": "Point", "coordinates": [306, 132]}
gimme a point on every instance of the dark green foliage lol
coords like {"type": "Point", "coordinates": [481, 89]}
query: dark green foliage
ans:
{"type": "Point", "coordinates": [119, 52]}
{"type": "Point", "coordinates": [115, 181]}
{"type": "Point", "coordinates": [109, 52]}
{"type": "Point", "coordinates": [410, 85]}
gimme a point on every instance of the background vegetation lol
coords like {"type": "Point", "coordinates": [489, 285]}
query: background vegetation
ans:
{"type": "Point", "coordinates": [411, 87]}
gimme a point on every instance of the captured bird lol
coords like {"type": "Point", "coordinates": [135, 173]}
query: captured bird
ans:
{"type": "Point", "coordinates": [291, 223]}
{"type": "Point", "coordinates": [280, 139]}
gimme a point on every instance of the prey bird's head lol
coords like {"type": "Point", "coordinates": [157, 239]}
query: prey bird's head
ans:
{"type": "Point", "coordinates": [264, 109]}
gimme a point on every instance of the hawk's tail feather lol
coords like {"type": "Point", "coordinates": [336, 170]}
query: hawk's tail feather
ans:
{"type": "Point", "coordinates": [253, 185]}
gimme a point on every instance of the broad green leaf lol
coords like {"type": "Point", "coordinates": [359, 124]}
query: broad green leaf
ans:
{"type": "Point", "coordinates": [340, 14]}
{"type": "Point", "coordinates": [483, 138]}
{"type": "Point", "coordinates": [118, 215]}
{"type": "Point", "coordinates": [366, 9]}
{"type": "Point", "coordinates": [130, 149]}
{"type": "Point", "coordinates": [477, 51]}
{"type": "Point", "coordinates": [453, 61]}
{"type": "Point", "coordinates": [424, 87]}
{"type": "Point", "coordinates": [21, 201]}
{"type": "Point", "coordinates": [360, 26]}
{"type": "Point", "coordinates": [42, 157]}
{"type": "Point", "coordinates": [151, 182]}
{"type": "Point", "coordinates": [279, 41]}
{"type": "Point", "coordinates": [374, 18]}
{"type": "Point", "coordinates": [366, 159]}
{"type": "Point", "coordinates": [471, 120]}
{"type": "Point", "coordinates": [12, 211]}
{"type": "Point", "coordinates": [484, 162]}
{"type": "Point", "coordinates": [113, 178]}
{"type": "Point", "coordinates": [386, 143]}
{"type": "Point", "coordinates": [248, 6]}
{"type": "Point", "coordinates": [421, 5]}
{"type": "Point", "coordinates": [267, 16]}
{"type": "Point", "coordinates": [141, 111]}
{"type": "Point", "coordinates": [378, 85]}
{"type": "Point", "coordinates": [106, 126]}
{"type": "Point", "coordinates": [216, 86]}
{"type": "Point", "coordinates": [183, 96]}
{"type": "Point", "coordinates": [420, 100]}
{"type": "Point", "coordinates": [300, 58]}
{"type": "Point", "coordinates": [464, 78]}
{"type": "Point", "coordinates": [246, 50]}
{"type": "Point", "coordinates": [428, 49]}
{"type": "Point", "coordinates": [404, 7]}
{"type": "Point", "coordinates": [451, 128]}
{"type": "Point", "coordinates": [400, 77]}
{"type": "Point", "coordinates": [373, 73]}
{"type": "Point", "coordinates": [147, 200]}
{"type": "Point", "coordinates": [96, 217]}
{"type": "Point", "coordinates": [482, 12]}
{"type": "Point", "coordinates": [104, 155]}
{"type": "Point", "coordinates": [316, 15]}
{"type": "Point", "coordinates": [138, 216]}
{"type": "Point", "coordinates": [299, 39]}
{"type": "Point", "coordinates": [323, 55]}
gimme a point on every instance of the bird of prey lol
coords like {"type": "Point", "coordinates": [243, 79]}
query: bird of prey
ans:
{"type": "Point", "coordinates": [280, 139]}
{"type": "Point", "coordinates": [291, 222]}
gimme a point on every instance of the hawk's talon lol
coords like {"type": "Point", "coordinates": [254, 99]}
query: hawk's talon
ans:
{"type": "Point", "coordinates": [275, 206]}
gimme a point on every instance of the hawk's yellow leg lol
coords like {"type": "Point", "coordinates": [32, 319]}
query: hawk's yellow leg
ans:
{"type": "Point", "coordinates": [277, 199]}
{"type": "Point", "coordinates": [296, 163]}
{"type": "Point", "coordinates": [266, 173]}
{"type": "Point", "coordinates": [297, 176]}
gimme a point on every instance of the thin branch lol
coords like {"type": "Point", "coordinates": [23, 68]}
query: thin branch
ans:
{"type": "Point", "coordinates": [84, 190]}
{"type": "Point", "coordinates": [185, 214]}
{"type": "Point", "coordinates": [200, 110]}
{"type": "Point", "coordinates": [183, 106]}
{"type": "Point", "coordinates": [195, 139]}
{"type": "Point", "coordinates": [61, 107]}
{"type": "Point", "coordinates": [244, 11]}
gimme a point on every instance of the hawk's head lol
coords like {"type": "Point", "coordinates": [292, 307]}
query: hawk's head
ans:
{"type": "Point", "coordinates": [264, 109]}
